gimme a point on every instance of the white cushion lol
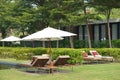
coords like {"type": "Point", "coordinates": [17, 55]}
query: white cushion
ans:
{"type": "Point", "coordinates": [106, 57]}
{"type": "Point", "coordinates": [90, 56]}
{"type": "Point", "coordinates": [98, 56]}
{"type": "Point", "coordinates": [65, 56]}
{"type": "Point", "coordinates": [45, 55]}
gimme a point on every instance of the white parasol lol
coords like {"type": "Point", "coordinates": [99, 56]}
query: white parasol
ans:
{"type": "Point", "coordinates": [49, 34]}
{"type": "Point", "coordinates": [10, 39]}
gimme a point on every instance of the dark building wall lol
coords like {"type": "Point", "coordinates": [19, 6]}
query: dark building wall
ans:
{"type": "Point", "coordinates": [99, 31]}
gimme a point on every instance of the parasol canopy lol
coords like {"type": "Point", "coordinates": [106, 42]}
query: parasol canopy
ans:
{"type": "Point", "coordinates": [48, 34]}
{"type": "Point", "coordinates": [10, 39]}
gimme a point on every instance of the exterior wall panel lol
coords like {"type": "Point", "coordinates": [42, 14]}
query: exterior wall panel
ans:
{"type": "Point", "coordinates": [99, 31]}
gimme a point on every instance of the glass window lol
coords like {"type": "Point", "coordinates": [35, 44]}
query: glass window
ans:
{"type": "Point", "coordinates": [80, 33]}
{"type": "Point", "coordinates": [103, 32]}
{"type": "Point", "coordinates": [96, 32]}
{"type": "Point", "coordinates": [114, 31]}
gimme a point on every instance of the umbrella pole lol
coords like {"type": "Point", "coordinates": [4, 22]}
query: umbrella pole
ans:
{"type": "Point", "coordinates": [43, 44]}
{"type": "Point", "coordinates": [24, 43]}
{"type": "Point", "coordinates": [3, 44]}
{"type": "Point", "coordinates": [51, 62]}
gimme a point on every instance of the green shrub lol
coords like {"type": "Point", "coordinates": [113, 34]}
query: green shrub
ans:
{"type": "Point", "coordinates": [116, 43]}
{"type": "Point", "coordinates": [75, 54]}
{"type": "Point", "coordinates": [26, 53]}
{"type": "Point", "coordinates": [5, 52]}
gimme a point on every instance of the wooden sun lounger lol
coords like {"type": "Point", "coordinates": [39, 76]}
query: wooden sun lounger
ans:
{"type": "Point", "coordinates": [39, 61]}
{"type": "Point", "coordinates": [61, 60]}
{"type": "Point", "coordinates": [103, 58]}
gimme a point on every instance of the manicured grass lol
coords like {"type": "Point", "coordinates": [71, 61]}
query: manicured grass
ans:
{"type": "Point", "coordinates": [109, 71]}
{"type": "Point", "coordinates": [13, 60]}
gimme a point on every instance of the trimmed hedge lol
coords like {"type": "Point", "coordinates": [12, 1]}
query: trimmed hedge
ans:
{"type": "Point", "coordinates": [75, 54]}
{"type": "Point", "coordinates": [20, 52]}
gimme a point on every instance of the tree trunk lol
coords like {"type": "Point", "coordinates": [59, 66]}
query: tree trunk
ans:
{"type": "Point", "coordinates": [3, 32]}
{"type": "Point", "coordinates": [88, 31]}
{"type": "Point", "coordinates": [108, 27]}
{"type": "Point", "coordinates": [70, 39]}
{"type": "Point", "coordinates": [23, 33]}
{"type": "Point", "coordinates": [71, 42]}
{"type": "Point", "coordinates": [57, 42]}
{"type": "Point", "coordinates": [87, 25]}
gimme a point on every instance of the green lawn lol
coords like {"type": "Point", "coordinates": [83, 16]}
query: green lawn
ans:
{"type": "Point", "coordinates": [109, 71]}
{"type": "Point", "coordinates": [13, 60]}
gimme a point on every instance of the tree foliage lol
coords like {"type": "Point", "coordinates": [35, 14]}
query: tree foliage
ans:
{"type": "Point", "coordinates": [28, 16]}
{"type": "Point", "coordinates": [105, 6]}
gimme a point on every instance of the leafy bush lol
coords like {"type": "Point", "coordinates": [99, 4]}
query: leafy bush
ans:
{"type": "Point", "coordinates": [96, 44]}
{"type": "Point", "coordinates": [5, 52]}
{"type": "Point", "coordinates": [75, 54]}
{"type": "Point", "coordinates": [116, 43]}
